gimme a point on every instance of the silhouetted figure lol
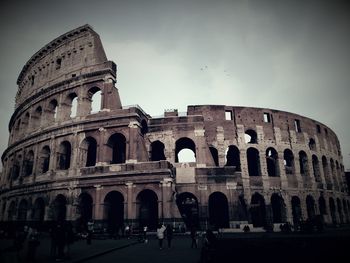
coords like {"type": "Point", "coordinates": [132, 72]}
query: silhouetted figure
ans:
{"type": "Point", "coordinates": [60, 240]}
{"type": "Point", "coordinates": [69, 236]}
{"type": "Point", "coordinates": [193, 237]}
{"type": "Point", "coordinates": [145, 228]}
{"type": "Point", "coordinates": [160, 235]}
{"type": "Point", "coordinates": [169, 234]}
{"type": "Point", "coordinates": [33, 243]}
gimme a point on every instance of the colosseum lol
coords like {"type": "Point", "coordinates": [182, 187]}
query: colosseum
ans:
{"type": "Point", "coordinates": [75, 153]}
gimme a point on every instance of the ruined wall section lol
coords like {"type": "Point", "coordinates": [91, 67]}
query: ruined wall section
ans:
{"type": "Point", "coordinates": [67, 55]}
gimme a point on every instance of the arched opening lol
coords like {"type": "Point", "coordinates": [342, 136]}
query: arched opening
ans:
{"type": "Point", "coordinates": [332, 210]}
{"type": "Point", "coordinates": [310, 207]}
{"type": "Point", "coordinates": [258, 210]}
{"type": "Point", "coordinates": [218, 210]}
{"type": "Point", "coordinates": [250, 136]}
{"type": "Point", "coordinates": [88, 150]}
{"type": "Point", "coordinates": [59, 208]}
{"type": "Point", "coordinates": [39, 210]}
{"type": "Point", "coordinates": [52, 111]}
{"type": "Point", "coordinates": [253, 162]}
{"type": "Point", "coordinates": [64, 155]}
{"type": "Point", "coordinates": [322, 205]}
{"type": "Point", "coordinates": [114, 211]}
{"type": "Point", "coordinates": [272, 162]}
{"type": "Point", "coordinates": [187, 204]}
{"type": "Point", "coordinates": [233, 157]}
{"type": "Point", "coordinates": [185, 150]}
{"type": "Point", "coordinates": [36, 117]}
{"type": "Point", "coordinates": [333, 172]}
{"type": "Point", "coordinates": [278, 209]}
{"type": "Point", "coordinates": [147, 207]}
{"type": "Point", "coordinates": [15, 169]}
{"type": "Point", "coordinates": [11, 212]}
{"type": "Point", "coordinates": [25, 122]}
{"type": "Point", "coordinates": [95, 96]}
{"type": "Point", "coordinates": [340, 211]}
{"type": "Point", "coordinates": [84, 209]}
{"type": "Point", "coordinates": [44, 159]}
{"type": "Point", "coordinates": [303, 162]}
{"type": "Point", "coordinates": [157, 151]}
{"type": "Point", "coordinates": [144, 127]}
{"type": "Point", "coordinates": [28, 163]}
{"type": "Point", "coordinates": [316, 168]}
{"type": "Point", "coordinates": [22, 210]}
{"type": "Point", "coordinates": [214, 155]}
{"type": "Point", "coordinates": [73, 103]}
{"type": "Point", "coordinates": [288, 161]}
{"type": "Point", "coordinates": [312, 144]}
{"type": "Point", "coordinates": [240, 209]}
{"type": "Point", "coordinates": [296, 211]}
{"type": "Point", "coordinates": [326, 170]}
{"type": "Point", "coordinates": [117, 144]}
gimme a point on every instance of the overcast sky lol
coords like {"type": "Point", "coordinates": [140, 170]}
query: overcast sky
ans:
{"type": "Point", "coordinates": [286, 55]}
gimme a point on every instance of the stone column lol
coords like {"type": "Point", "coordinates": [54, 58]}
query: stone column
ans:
{"type": "Point", "coordinates": [102, 158]}
{"type": "Point", "coordinates": [98, 205]}
{"type": "Point", "coordinates": [131, 151]}
{"type": "Point", "coordinates": [130, 204]}
{"type": "Point", "coordinates": [166, 197]}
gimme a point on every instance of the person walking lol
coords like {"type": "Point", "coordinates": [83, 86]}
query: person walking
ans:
{"type": "Point", "coordinates": [193, 237]}
{"type": "Point", "coordinates": [160, 235]}
{"type": "Point", "coordinates": [169, 235]}
{"type": "Point", "coordinates": [145, 234]}
{"type": "Point", "coordinates": [90, 228]}
{"type": "Point", "coordinates": [33, 243]}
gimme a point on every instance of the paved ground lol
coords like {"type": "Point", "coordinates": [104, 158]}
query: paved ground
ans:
{"type": "Point", "coordinates": [257, 246]}
{"type": "Point", "coordinates": [110, 250]}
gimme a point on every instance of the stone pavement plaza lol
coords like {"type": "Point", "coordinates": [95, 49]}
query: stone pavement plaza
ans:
{"type": "Point", "coordinates": [111, 250]}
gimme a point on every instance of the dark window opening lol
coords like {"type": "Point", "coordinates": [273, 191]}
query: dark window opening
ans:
{"type": "Point", "coordinates": [214, 155]}
{"type": "Point", "coordinates": [64, 155]}
{"type": "Point", "coordinates": [228, 115]}
{"type": "Point", "coordinates": [258, 210]}
{"type": "Point", "coordinates": [84, 209]}
{"type": "Point", "coordinates": [288, 161]}
{"type": "Point", "coordinates": [233, 157]}
{"type": "Point", "coordinates": [32, 79]}
{"type": "Point", "coordinates": [297, 125]}
{"type": "Point", "coordinates": [22, 210]}
{"type": "Point", "coordinates": [45, 159]}
{"type": "Point", "coordinates": [310, 207]}
{"type": "Point", "coordinates": [316, 168]}
{"type": "Point", "coordinates": [144, 127]}
{"type": "Point", "coordinates": [28, 163]}
{"type": "Point", "coordinates": [278, 209]}
{"type": "Point", "coordinates": [117, 144]}
{"type": "Point", "coordinates": [183, 144]}
{"type": "Point", "coordinates": [272, 162]}
{"type": "Point", "coordinates": [88, 150]}
{"type": "Point", "coordinates": [58, 63]}
{"type": "Point", "coordinates": [332, 210]}
{"type": "Point", "coordinates": [312, 144]}
{"type": "Point", "coordinates": [218, 210]}
{"type": "Point", "coordinates": [59, 208]}
{"type": "Point", "coordinates": [157, 151]}
{"type": "Point", "coordinates": [303, 162]}
{"type": "Point", "coordinates": [296, 211]}
{"type": "Point", "coordinates": [114, 211]}
{"type": "Point", "coordinates": [251, 136]}
{"type": "Point", "coordinates": [322, 205]}
{"type": "Point", "coordinates": [267, 117]}
{"type": "Point", "coordinates": [318, 128]}
{"type": "Point", "coordinates": [253, 162]}
{"type": "Point", "coordinates": [147, 204]}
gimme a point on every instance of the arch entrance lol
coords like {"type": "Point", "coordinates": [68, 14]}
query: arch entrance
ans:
{"type": "Point", "coordinates": [258, 210]}
{"type": "Point", "coordinates": [187, 204]}
{"type": "Point", "coordinates": [218, 210]}
{"type": "Point", "coordinates": [147, 208]}
{"type": "Point", "coordinates": [59, 208]}
{"type": "Point", "coordinates": [296, 210]}
{"type": "Point", "coordinates": [114, 211]}
{"type": "Point", "coordinates": [84, 208]}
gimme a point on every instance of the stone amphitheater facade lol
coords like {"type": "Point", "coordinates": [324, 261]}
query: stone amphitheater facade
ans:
{"type": "Point", "coordinates": [118, 165]}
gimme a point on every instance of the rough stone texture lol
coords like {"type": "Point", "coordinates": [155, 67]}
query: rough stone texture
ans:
{"type": "Point", "coordinates": [50, 156]}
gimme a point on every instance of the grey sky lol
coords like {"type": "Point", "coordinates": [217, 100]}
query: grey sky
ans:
{"type": "Point", "coordinates": [285, 55]}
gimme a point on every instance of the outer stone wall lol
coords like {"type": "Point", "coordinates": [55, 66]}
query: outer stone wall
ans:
{"type": "Point", "coordinates": [118, 165]}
